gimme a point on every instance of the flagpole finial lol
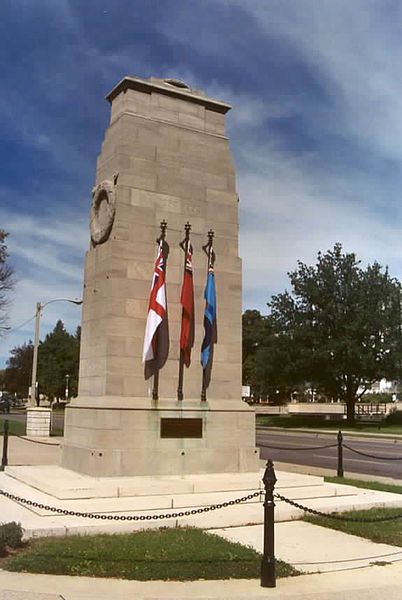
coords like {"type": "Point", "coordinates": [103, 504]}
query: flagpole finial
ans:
{"type": "Point", "coordinates": [187, 229]}
{"type": "Point", "coordinates": [208, 246]}
{"type": "Point", "coordinates": [163, 226]}
{"type": "Point", "coordinates": [185, 243]}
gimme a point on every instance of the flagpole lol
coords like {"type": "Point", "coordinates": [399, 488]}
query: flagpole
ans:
{"type": "Point", "coordinates": [155, 388]}
{"type": "Point", "coordinates": [208, 251]}
{"type": "Point", "coordinates": [184, 245]}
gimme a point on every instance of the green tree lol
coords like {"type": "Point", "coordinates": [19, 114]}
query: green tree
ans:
{"type": "Point", "coordinates": [343, 324]}
{"type": "Point", "coordinates": [7, 280]}
{"type": "Point", "coordinates": [17, 376]}
{"type": "Point", "coordinates": [58, 356]}
{"type": "Point", "coordinates": [253, 337]}
{"type": "Point", "coordinates": [270, 362]}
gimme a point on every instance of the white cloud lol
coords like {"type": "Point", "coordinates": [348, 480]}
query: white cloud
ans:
{"type": "Point", "coordinates": [48, 256]}
{"type": "Point", "coordinates": [287, 214]}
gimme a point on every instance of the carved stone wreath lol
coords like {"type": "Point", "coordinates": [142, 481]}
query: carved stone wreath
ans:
{"type": "Point", "coordinates": [102, 210]}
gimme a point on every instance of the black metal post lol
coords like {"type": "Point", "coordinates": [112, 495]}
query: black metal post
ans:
{"type": "Point", "coordinates": [4, 459]}
{"type": "Point", "coordinates": [340, 454]}
{"type": "Point", "coordinates": [155, 388]}
{"type": "Point", "coordinates": [203, 389]}
{"type": "Point", "coordinates": [180, 395]}
{"type": "Point", "coordinates": [268, 563]}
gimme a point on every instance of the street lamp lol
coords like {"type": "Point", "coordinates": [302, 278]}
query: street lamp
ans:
{"type": "Point", "coordinates": [66, 390]}
{"type": "Point", "coordinates": [39, 308]}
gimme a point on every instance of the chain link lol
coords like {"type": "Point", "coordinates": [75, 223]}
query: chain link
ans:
{"type": "Point", "coordinates": [298, 449]}
{"type": "Point", "coordinates": [192, 512]}
{"type": "Point", "coordinates": [372, 455]}
{"type": "Point", "coordinates": [174, 515]}
{"type": "Point", "coordinates": [318, 513]}
{"type": "Point", "coordinates": [25, 439]}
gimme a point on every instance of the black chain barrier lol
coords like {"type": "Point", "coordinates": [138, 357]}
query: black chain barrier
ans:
{"type": "Point", "coordinates": [103, 517]}
{"type": "Point", "coordinates": [297, 449]}
{"type": "Point", "coordinates": [372, 455]}
{"type": "Point", "coordinates": [319, 513]}
{"type": "Point", "coordinates": [21, 437]}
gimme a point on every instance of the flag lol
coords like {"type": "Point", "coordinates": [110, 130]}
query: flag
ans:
{"type": "Point", "coordinates": [187, 302]}
{"type": "Point", "coordinates": [210, 327]}
{"type": "Point", "coordinates": [156, 340]}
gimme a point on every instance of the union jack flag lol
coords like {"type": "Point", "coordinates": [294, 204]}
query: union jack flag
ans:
{"type": "Point", "coordinates": [156, 340]}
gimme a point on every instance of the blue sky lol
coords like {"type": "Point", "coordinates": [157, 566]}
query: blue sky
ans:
{"type": "Point", "coordinates": [316, 128]}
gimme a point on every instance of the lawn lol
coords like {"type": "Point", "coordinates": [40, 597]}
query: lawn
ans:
{"type": "Point", "coordinates": [369, 485]}
{"type": "Point", "coordinates": [14, 427]}
{"type": "Point", "coordinates": [312, 422]}
{"type": "Point", "coordinates": [181, 554]}
{"type": "Point", "coordinates": [385, 532]}
{"type": "Point", "coordinates": [19, 428]}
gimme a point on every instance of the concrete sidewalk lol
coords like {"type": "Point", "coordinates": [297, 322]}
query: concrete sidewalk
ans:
{"type": "Point", "coordinates": [374, 583]}
{"type": "Point", "coordinates": [348, 566]}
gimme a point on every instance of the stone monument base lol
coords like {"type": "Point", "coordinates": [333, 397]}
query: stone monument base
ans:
{"type": "Point", "coordinates": [65, 484]}
{"type": "Point", "coordinates": [126, 437]}
{"type": "Point", "coordinates": [38, 421]}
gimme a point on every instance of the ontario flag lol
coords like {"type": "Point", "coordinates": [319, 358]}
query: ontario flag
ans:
{"type": "Point", "coordinates": [156, 340]}
{"type": "Point", "coordinates": [210, 326]}
{"type": "Point", "coordinates": [187, 302]}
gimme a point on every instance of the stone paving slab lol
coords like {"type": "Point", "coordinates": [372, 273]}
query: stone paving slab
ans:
{"type": "Point", "coordinates": [39, 522]}
{"type": "Point", "coordinates": [27, 451]}
{"type": "Point", "coordinates": [311, 548]}
{"type": "Point", "coordinates": [13, 595]}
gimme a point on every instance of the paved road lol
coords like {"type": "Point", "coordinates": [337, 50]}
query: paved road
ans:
{"type": "Point", "coordinates": [293, 449]}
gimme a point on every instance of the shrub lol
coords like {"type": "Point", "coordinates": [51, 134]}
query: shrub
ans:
{"type": "Point", "coordinates": [381, 397]}
{"type": "Point", "coordinates": [394, 418]}
{"type": "Point", "coordinates": [10, 536]}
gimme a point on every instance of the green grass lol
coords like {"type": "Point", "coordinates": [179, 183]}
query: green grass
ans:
{"type": "Point", "coordinates": [14, 427]}
{"type": "Point", "coordinates": [384, 532]}
{"type": "Point", "coordinates": [312, 422]}
{"type": "Point", "coordinates": [19, 428]}
{"type": "Point", "coordinates": [370, 485]}
{"type": "Point", "coordinates": [182, 554]}
{"type": "Point", "coordinates": [57, 432]}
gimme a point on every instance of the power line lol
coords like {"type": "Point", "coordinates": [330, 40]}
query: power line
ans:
{"type": "Point", "coordinates": [12, 329]}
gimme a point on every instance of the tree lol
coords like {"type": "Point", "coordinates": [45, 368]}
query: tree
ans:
{"type": "Point", "coordinates": [58, 356]}
{"type": "Point", "coordinates": [17, 377]}
{"type": "Point", "coordinates": [253, 336]}
{"type": "Point", "coordinates": [6, 277]}
{"type": "Point", "coordinates": [343, 323]}
{"type": "Point", "coordinates": [270, 362]}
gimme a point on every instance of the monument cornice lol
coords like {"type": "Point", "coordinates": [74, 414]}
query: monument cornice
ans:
{"type": "Point", "coordinates": [147, 86]}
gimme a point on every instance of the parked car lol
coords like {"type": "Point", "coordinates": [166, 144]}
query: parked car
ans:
{"type": "Point", "coordinates": [5, 404]}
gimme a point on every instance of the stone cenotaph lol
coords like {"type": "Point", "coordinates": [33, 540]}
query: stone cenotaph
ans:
{"type": "Point", "coordinates": [165, 156]}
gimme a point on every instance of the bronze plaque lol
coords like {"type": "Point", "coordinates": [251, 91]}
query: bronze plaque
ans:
{"type": "Point", "coordinates": [181, 428]}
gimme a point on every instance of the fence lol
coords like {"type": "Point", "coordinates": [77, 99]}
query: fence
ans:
{"type": "Point", "coordinates": [340, 445]}
{"type": "Point", "coordinates": [268, 561]}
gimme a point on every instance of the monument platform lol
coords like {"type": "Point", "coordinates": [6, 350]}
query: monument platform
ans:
{"type": "Point", "coordinates": [62, 489]}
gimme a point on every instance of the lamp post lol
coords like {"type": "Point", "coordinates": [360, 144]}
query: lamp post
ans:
{"type": "Point", "coordinates": [39, 308]}
{"type": "Point", "coordinates": [66, 390]}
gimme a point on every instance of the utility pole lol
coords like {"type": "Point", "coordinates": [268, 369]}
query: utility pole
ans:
{"type": "Point", "coordinates": [39, 308]}
{"type": "Point", "coordinates": [34, 390]}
